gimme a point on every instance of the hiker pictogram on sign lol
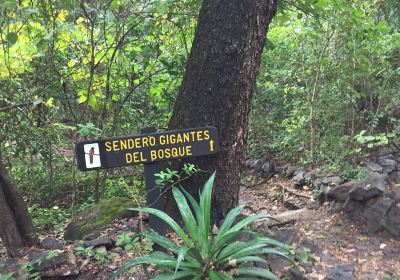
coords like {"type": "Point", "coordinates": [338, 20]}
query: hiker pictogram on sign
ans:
{"type": "Point", "coordinates": [92, 155]}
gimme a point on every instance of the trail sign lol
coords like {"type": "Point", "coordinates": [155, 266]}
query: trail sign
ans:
{"type": "Point", "coordinates": [146, 148]}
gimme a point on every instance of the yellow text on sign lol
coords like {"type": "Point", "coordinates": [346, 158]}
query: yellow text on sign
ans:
{"type": "Point", "coordinates": [135, 157]}
{"type": "Point", "coordinates": [171, 153]}
{"type": "Point", "coordinates": [131, 143]}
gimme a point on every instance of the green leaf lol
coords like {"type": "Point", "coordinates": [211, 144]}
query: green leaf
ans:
{"type": "Point", "coordinates": [38, 101]}
{"type": "Point", "coordinates": [247, 259]}
{"type": "Point", "coordinates": [181, 255]}
{"type": "Point", "coordinates": [216, 275]}
{"type": "Point", "coordinates": [218, 245]}
{"type": "Point", "coordinates": [12, 38]}
{"type": "Point", "coordinates": [162, 241]}
{"type": "Point", "coordinates": [186, 213]}
{"type": "Point", "coordinates": [229, 219]}
{"type": "Point", "coordinates": [256, 272]}
{"type": "Point", "coordinates": [155, 258]}
{"type": "Point", "coordinates": [248, 221]}
{"type": "Point", "coordinates": [174, 225]}
{"type": "Point", "coordinates": [205, 205]}
{"type": "Point", "coordinates": [176, 276]}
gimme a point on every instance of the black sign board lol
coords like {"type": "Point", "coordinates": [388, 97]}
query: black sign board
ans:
{"type": "Point", "coordinates": [146, 148]}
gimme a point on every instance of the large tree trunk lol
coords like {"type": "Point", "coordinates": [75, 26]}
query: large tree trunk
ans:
{"type": "Point", "coordinates": [16, 228]}
{"type": "Point", "coordinates": [217, 88]}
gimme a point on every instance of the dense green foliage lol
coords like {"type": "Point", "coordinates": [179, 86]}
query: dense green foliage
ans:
{"type": "Point", "coordinates": [329, 77]}
{"type": "Point", "coordinates": [328, 89]}
{"type": "Point", "coordinates": [206, 253]}
{"type": "Point", "coordinates": [72, 70]}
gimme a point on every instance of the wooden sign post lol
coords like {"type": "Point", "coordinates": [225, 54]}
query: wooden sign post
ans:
{"type": "Point", "coordinates": [148, 149]}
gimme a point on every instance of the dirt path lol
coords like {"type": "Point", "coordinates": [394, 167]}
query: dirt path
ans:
{"type": "Point", "coordinates": [328, 243]}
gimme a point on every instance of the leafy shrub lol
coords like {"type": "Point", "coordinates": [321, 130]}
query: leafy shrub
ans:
{"type": "Point", "coordinates": [125, 187]}
{"type": "Point", "coordinates": [204, 255]}
{"type": "Point", "coordinates": [128, 241]}
{"type": "Point", "coordinates": [317, 193]}
{"type": "Point", "coordinates": [43, 218]}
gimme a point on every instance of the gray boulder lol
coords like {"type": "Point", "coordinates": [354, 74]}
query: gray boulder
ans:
{"type": "Point", "coordinates": [351, 206]}
{"type": "Point", "coordinates": [375, 215]}
{"type": "Point", "coordinates": [369, 187]}
{"type": "Point", "coordinates": [310, 177]}
{"type": "Point", "coordinates": [102, 241]}
{"type": "Point", "coordinates": [99, 215]}
{"type": "Point", "coordinates": [268, 169]}
{"type": "Point", "coordinates": [392, 223]}
{"type": "Point", "coordinates": [340, 192]}
{"type": "Point", "coordinates": [289, 170]}
{"type": "Point", "coordinates": [317, 182]}
{"type": "Point", "coordinates": [49, 265]}
{"type": "Point", "coordinates": [250, 163]}
{"type": "Point", "coordinates": [13, 267]}
{"type": "Point", "coordinates": [332, 180]}
{"type": "Point", "coordinates": [395, 177]}
{"type": "Point", "coordinates": [258, 164]}
{"type": "Point", "coordinates": [374, 167]}
{"type": "Point", "coordinates": [50, 244]}
{"type": "Point", "coordinates": [299, 177]}
{"type": "Point", "coordinates": [341, 271]}
{"type": "Point", "coordinates": [43, 261]}
{"type": "Point", "coordinates": [388, 164]}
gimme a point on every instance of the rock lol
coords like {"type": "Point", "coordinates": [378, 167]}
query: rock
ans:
{"type": "Point", "coordinates": [336, 206]}
{"type": "Point", "coordinates": [340, 271]}
{"type": "Point", "coordinates": [326, 257]}
{"type": "Point", "coordinates": [392, 223]}
{"type": "Point", "coordinates": [98, 215]}
{"type": "Point", "coordinates": [248, 163]}
{"type": "Point", "coordinates": [101, 250]}
{"type": "Point", "coordinates": [296, 274]}
{"type": "Point", "coordinates": [388, 156]}
{"type": "Point", "coordinates": [395, 177]}
{"type": "Point", "coordinates": [375, 215]}
{"type": "Point", "coordinates": [43, 261]}
{"type": "Point", "coordinates": [317, 182]}
{"type": "Point", "coordinates": [268, 169]}
{"type": "Point", "coordinates": [310, 177]}
{"type": "Point", "coordinates": [277, 263]}
{"type": "Point", "coordinates": [371, 186]}
{"type": "Point", "coordinates": [298, 178]}
{"type": "Point", "coordinates": [71, 257]}
{"type": "Point", "coordinates": [93, 235]}
{"type": "Point", "coordinates": [133, 225]}
{"type": "Point", "coordinates": [389, 165]}
{"type": "Point", "coordinates": [12, 267]}
{"type": "Point", "coordinates": [312, 204]}
{"type": "Point", "coordinates": [50, 244]}
{"type": "Point", "coordinates": [289, 170]}
{"type": "Point", "coordinates": [351, 206]}
{"type": "Point", "coordinates": [332, 180]}
{"type": "Point", "coordinates": [374, 167]}
{"type": "Point", "coordinates": [102, 241]}
{"type": "Point", "coordinates": [258, 164]}
{"type": "Point", "coordinates": [340, 192]}
{"type": "Point", "coordinates": [312, 246]}
{"type": "Point", "coordinates": [370, 202]}
{"type": "Point", "coordinates": [263, 229]}
{"type": "Point", "coordinates": [287, 236]}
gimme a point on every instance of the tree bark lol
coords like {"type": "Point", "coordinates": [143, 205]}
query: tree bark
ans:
{"type": "Point", "coordinates": [16, 228]}
{"type": "Point", "coordinates": [217, 88]}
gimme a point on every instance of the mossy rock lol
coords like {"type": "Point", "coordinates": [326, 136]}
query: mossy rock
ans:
{"type": "Point", "coordinates": [99, 215]}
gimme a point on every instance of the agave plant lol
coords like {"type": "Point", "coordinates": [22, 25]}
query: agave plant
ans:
{"type": "Point", "coordinates": [204, 255]}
